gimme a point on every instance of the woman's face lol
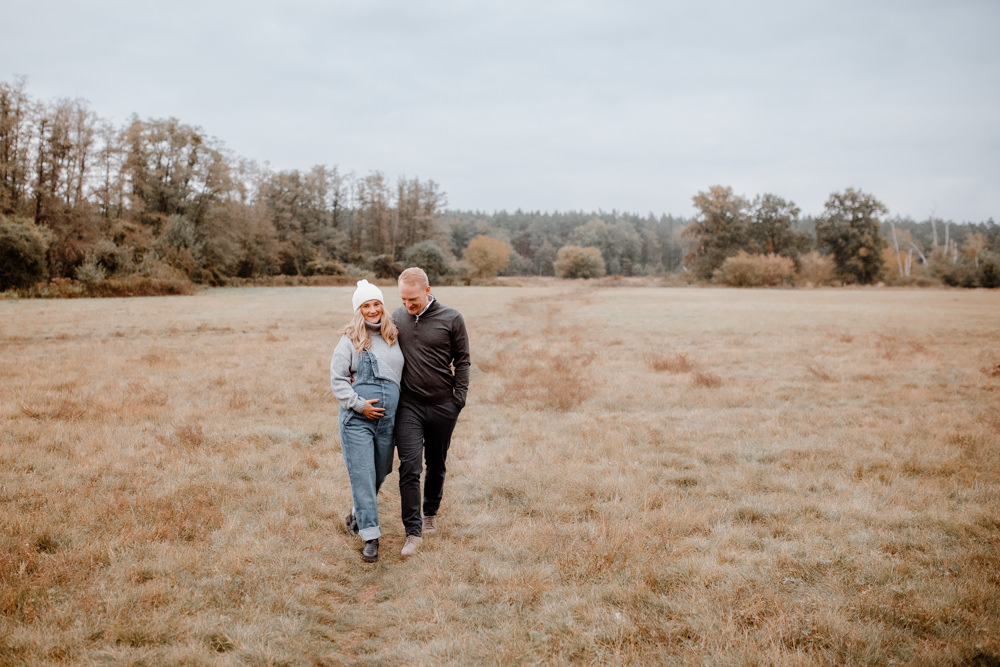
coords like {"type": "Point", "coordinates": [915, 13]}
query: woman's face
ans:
{"type": "Point", "coordinates": [372, 311]}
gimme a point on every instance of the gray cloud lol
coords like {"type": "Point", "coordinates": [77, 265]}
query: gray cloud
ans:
{"type": "Point", "coordinates": [559, 105]}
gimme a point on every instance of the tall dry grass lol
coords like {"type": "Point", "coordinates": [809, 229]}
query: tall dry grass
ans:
{"type": "Point", "coordinates": [642, 476]}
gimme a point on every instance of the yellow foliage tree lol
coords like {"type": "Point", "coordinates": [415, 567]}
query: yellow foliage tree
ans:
{"type": "Point", "coordinates": [487, 256]}
{"type": "Point", "coordinates": [572, 261]}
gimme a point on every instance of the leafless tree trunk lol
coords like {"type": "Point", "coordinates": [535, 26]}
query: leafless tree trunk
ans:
{"type": "Point", "coordinates": [82, 130]}
{"type": "Point", "coordinates": [913, 246]}
{"type": "Point", "coordinates": [895, 243]}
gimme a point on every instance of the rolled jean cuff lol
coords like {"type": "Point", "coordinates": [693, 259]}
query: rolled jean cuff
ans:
{"type": "Point", "coordinates": [372, 533]}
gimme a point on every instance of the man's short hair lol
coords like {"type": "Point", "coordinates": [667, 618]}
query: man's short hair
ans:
{"type": "Point", "coordinates": [414, 276]}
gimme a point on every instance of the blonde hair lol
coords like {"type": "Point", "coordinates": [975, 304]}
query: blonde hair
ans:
{"type": "Point", "coordinates": [414, 276]}
{"type": "Point", "coordinates": [357, 330]}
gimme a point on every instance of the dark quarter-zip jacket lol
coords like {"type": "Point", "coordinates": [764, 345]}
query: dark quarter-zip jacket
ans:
{"type": "Point", "coordinates": [435, 346]}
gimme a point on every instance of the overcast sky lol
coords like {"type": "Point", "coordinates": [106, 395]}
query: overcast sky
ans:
{"type": "Point", "coordinates": [627, 105]}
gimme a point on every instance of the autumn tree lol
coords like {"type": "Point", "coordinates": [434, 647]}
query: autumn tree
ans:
{"type": "Point", "coordinates": [429, 256]}
{"type": "Point", "coordinates": [417, 207]}
{"type": "Point", "coordinates": [15, 140]}
{"type": "Point", "coordinates": [374, 219]}
{"type": "Point", "coordinates": [23, 248]}
{"type": "Point", "coordinates": [51, 152]}
{"type": "Point", "coordinates": [81, 134]}
{"type": "Point", "coordinates": [746, 270]}
{"type": "Point", "coordinates": [849, 229]}
{"type": "Point", "coordinates": [772, 229]}
{"type": "Point", "coordinates": [180, 246]}
{"type": "Point", "coordinates": [487, 256]}
{"type": "Point", "coordinates": [301, 208]}
{"type": "Point", "coordinates": [257, 249]}
{"type": "Point", "coordinates": [572, 261]}
{"type": "Point", "coordinates": [618, 241]}
{"type": "Point", "coordinates": [720, 230]}
{"type": "Point", "coordinates": [172, 169]}
{"type": "Point", "coordinates": [63, 155]}
{"type": "Point", "coordinates": [974, 247]}
{"type": "Point", "coordinates": [109, 194]}
{"type": "Point", "coordinates": [977, 264]}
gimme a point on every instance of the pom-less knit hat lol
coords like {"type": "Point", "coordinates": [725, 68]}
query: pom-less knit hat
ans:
{"type": "Point", "coordinates": [366, 292]}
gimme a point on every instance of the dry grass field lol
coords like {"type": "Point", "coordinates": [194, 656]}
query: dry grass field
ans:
{"type": "Point", "coordinates": [643, 475]}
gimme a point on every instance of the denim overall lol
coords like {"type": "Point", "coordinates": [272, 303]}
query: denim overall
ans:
{"type": "Point", "coordinates": [367, 443]}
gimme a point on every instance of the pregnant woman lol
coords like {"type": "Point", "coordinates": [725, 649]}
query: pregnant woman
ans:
{"type": "Point", "coordinates": [365, 370]}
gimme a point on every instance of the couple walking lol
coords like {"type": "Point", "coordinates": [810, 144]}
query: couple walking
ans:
{"type": "Point", "coordinates": [401, 378]}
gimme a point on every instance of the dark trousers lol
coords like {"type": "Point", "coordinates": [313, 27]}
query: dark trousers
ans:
{"type": "Point", "coordinates": [422, 430]}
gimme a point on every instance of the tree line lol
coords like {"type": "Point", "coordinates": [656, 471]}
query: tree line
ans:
{"type": "Point", "coordinates": [84, 201]}
{"type": "Point", "coordinates": [738, 241]}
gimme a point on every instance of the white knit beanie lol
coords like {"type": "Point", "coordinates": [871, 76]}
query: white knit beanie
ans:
{"type": "Point", "coordinates": [366, 292]}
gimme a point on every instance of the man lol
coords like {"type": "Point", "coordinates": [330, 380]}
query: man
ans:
{"type": "Point", "coordinates": [435, 382]}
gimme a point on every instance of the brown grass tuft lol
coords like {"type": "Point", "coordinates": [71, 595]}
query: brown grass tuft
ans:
{"type": "Point", "coordinates": [186, 435]}
{"type": "Point", "coordinates": [672, 363]}
{"type": "Point", "coordinates": [47, 544]}
{"type": "Point", "coordinates": [58, 410]}
{"type": "Point", "coordinates": [706, 379]}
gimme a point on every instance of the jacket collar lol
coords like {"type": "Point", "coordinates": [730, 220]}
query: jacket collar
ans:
{"type": "Point", "coordinates": [431, 303]}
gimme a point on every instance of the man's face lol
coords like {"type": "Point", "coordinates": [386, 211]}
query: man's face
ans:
{"type": "Point", "coordinates": [414, 297]}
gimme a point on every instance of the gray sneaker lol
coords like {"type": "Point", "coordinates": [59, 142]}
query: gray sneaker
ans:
{"type": "Point", "coordinates": [370, 553]}
{"type": "Point", "coordinates": [430, 524]}
{"type": "Point", "coordinates": [411, 545]}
